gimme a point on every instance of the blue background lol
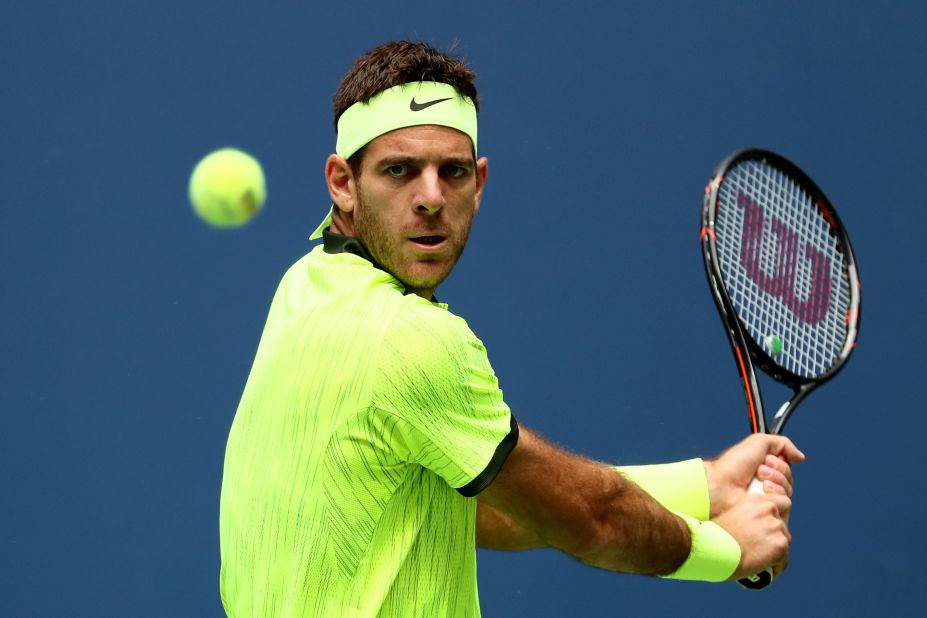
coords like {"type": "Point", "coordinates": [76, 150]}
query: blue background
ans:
{"type": "Point", "coordinates": [128, 326]}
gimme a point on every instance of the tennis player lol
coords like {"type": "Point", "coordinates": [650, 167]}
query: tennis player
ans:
{"type": "Point", "coordinates": [372, 450]}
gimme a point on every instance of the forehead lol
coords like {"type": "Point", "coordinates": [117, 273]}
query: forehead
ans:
{"type": "Point", "coordinates": [423, 141]}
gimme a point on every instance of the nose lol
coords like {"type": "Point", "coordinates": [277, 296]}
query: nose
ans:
{"type": "Point", "coordinates": [430, 196]}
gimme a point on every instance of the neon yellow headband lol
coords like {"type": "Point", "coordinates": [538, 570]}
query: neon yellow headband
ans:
{"type": "Point", "coordinates": [405, 106]}
{"type": "Point", "coordinates": [408, 105]}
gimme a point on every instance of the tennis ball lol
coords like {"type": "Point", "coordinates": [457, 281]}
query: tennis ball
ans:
{"type": "Point", "coordinates": [227, 188]}
{"type": "Point", "coordinates": [774, 345]}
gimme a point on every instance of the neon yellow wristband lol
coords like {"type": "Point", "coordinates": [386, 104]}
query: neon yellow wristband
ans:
{"type": "Point", "coordinates": [714, 555]}
{"type": "Point", "coordinates": [681, 486]}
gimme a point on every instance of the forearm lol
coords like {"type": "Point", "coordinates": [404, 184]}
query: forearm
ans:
{"type": "Point", "coordinates": [634, 533]}
{"type": "Point", "coordinates": [583, 508]}
{"type": "Point", "coordinates": [649, 541]}
{"type": "Point", "coordinates": [496, 530]}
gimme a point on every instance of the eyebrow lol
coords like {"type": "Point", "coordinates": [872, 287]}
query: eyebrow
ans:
{"type": "Point", "coordinates": [404, 160]}
{"type": "Point", "coordinates": [462, 162]}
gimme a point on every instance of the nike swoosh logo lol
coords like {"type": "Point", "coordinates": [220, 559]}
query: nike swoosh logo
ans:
{"type": "Point", "coordinates": [417, 107]}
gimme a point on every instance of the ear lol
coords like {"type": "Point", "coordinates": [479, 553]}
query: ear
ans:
{"type": "Point", "coordinates": [340, 181]}
{"type": "Point", "coordinates": [482, 172]}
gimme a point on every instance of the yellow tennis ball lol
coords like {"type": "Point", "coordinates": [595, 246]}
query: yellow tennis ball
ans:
{"type": "Point", "coordinates": [227, 188]}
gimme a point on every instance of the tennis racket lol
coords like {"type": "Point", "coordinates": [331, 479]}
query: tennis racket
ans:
{"type": "Point", "coordinates": [782, 273]}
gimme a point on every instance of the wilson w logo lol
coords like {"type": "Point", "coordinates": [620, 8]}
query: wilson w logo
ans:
{"type": "Point", "coordinates": [781, 281]}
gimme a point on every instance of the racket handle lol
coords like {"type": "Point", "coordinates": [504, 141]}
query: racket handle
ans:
{"type": "Point", "coordinates": [756, 487]}
{"type": "Point", "coordinates": [764, 577]}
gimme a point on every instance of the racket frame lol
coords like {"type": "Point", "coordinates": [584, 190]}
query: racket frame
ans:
{"type": "Point", "coordinates": [747, 352]}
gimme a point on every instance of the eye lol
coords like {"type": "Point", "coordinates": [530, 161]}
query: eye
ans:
{"type": "Point", "coordinates": [456, 171]}
{"type": "Point", "coordinates": [397, 171]}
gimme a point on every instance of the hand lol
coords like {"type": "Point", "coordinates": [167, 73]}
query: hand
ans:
{"type": "Point", "coordinates": [763, 536]}
{"type": "Point", "coordinates": [763, 456]}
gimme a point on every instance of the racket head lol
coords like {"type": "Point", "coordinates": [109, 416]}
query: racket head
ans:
{"type": "Point", "coordinates": [782, 272]}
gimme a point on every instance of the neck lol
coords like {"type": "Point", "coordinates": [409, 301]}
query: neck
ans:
{"type": "Point", "coordinates": [336, 242]}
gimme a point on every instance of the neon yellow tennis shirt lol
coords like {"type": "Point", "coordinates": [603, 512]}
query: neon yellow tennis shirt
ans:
{"type": "Point", "coordinates": [369, 420]}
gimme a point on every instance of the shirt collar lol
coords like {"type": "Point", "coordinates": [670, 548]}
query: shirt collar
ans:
{"type": "Point", "coordinates": [333, 242]}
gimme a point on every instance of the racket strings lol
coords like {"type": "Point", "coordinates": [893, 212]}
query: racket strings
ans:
{"type": "Point", "coordinates": [783, 268]}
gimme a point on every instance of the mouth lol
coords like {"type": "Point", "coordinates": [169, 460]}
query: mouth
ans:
{"type": "Point", "coordinates": [429, 242]}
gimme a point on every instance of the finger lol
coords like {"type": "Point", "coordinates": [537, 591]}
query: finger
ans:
{"type": "Point", "coordinates": [770, 487]}
{"type": "Point", "coordinates": [777, 463]}
{"type": "Point", "coordinates": [785, 448]}
{"type": "Point", "coordinates": [783, 504]}
{"type": "Point", "coordinates": [770, 475]}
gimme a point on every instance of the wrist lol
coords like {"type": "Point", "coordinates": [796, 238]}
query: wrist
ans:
{"type": "Point", "coordinates": [714, 554]}
{"type": "Point", "coordinates": [714, 490]}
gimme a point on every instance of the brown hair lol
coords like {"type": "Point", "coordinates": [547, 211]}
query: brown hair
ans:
{"type": "Point", "coordinates": [400, 62]}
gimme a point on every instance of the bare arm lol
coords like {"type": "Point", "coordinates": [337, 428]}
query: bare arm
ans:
{"type": "Point", "coordinates": [584, 509]}
{"type": "Point", "coordinates": [496, 530]}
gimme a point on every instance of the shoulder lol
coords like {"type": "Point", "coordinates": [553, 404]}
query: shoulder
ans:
{"type": "Point", "coordinates": [430, 331]}
{"type": "Point", "coordinates": [431, 357]}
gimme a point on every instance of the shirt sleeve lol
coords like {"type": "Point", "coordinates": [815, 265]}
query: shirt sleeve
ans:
{"type": "Point", "coordinates": [434, 377]}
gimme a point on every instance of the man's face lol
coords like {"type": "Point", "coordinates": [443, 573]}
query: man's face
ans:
{"type": "Point", "coordinates": [417, 192]}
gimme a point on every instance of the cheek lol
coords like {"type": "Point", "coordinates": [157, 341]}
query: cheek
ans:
{"type": "Point", "coordinates": [374, 231]}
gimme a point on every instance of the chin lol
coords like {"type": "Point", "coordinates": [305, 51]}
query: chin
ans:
{"type": "Point", "coordinates": [424, 281]}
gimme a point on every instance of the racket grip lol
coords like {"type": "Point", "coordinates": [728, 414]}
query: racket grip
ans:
{"type": "Point", "coordinates": [756, 487]}
{"type": "Point", "coordinates": [764, 577]}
